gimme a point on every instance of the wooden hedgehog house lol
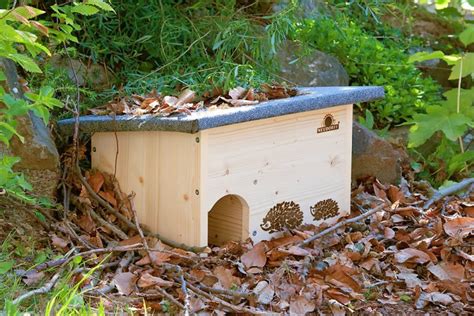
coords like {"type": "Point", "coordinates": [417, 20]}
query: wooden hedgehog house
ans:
{"type": "Point", "coordinates": [230, 174]}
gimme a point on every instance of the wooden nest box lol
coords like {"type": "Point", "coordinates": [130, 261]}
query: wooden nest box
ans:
{"type": "Point", "coordinates": [221, 175]}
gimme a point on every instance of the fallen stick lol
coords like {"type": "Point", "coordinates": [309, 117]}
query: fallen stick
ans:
{"type": "Point", "coordinates": [140, 232]}
{"type": "Point", "coordinates": [186, 306]}
{"type": "Point", "coordinates": [44, 289]}
{"type": "Point", "coordinates": [448, 191]}
{"type": "Point", "coordinates": [341, 224]}
{"type": "Point", "coordinates": [235, 294]}
{"type": "Point", "coordinates": [88, 209]}
{"type": "Point", "coordinates": [233, 307]}
{"type": "Point", "coordinates": [70, 231]}
{"type": "Point", "coordinates": [124, 262]}
{"type": "Point", "coordinates": [130, 225]}
{"type": "Point", "coordinates": [61, 261]}
{"type": "Point", "coordinates": [171, 298]}
{"type": "Point", "coordinates": [101, 201]}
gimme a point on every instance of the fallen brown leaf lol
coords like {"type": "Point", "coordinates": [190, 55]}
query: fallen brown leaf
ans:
{"type": "Point", "coordinates": [226, 277]}
{"type": "Point", "coordinates": [447, 271]}
{"type": "Point", "coordinates": [264, 292]}
{"type": "Point", "coordinates": [33, 278]}
{"type": "Point", "coordinates": [411, 255]}
{"type": "Point", "coordinates": [59, 242]}
{"type": "Point", "coordinates": [301, 306]}
{"type": "Point", "coordinates": [125, 282]}
{"type": "Point", "coordinates": [459, 227]}
{"type": "Point", "coordinates": [96, 180]}
{"type": "Point", "coordinates": [256, 257]}
{"type": "Point", "coordinates": [147, 280]}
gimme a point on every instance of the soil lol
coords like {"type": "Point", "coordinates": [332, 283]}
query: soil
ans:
{"type": "Point", "coordinates": [18, 225]}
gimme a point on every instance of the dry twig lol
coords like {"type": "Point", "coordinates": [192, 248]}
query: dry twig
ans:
{"type": "Point", "coordinates": [448, 191]}
{"type": "Point", "coordinates": [101, 201]}
{"type": "Point", "coordinates": [341, 224]}
{"type": "Point", "coordinates": [44, 289]}
{"type": "Point", "coordinates": [233, 307]}
{"type": "Point", "coordinates": [235, 294]}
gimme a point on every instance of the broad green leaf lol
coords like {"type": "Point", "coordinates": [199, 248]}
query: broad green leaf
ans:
{"type": "Point", "coordinates": [420, 132]}
{"type": "Point", "coordinates": [451, 59]}
{"type": "Point", "coordinates": [6, 140]}
{"type": "Point", "coordinates": [441, 4]}
{"type": "Point", "coordinates": [5, 266]}
{"type": "Point", "coordinates": [42, 112]}
{"type": "Point", "coordinates": [2, 76]}
{"type": "Point", "coordinates": [101, 4]}
{"type": "Point", "coordinates": [437, 118]}
{"type": "Point", "coordinates": [26, 62]}
{"type": "Point", "coordinates": [467, 36]}
{"type": "Point", "coordinates": [28, 12]}
{"type": "Point", "coordinates": [466, 101]}
{"type": "Point", "coordinates": [16, 106]}
{"type": "Point", "coordinates": [467, 67]}
{"type": "Point", "coordinates": [85, 9]}
{"type": "Point", "coordinates": [11, 129]}
{"type": "Point", "coordinates": [369, 118]}
{"type": "Point", "coordinates": [422, 56]}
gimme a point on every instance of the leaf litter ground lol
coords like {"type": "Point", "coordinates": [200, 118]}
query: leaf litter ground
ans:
{"type": "Point", "coordinates": [403, 259]}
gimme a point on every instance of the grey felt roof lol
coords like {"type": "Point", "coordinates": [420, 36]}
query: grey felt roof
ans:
{"type": "Point", "coordinates": [307, 100]}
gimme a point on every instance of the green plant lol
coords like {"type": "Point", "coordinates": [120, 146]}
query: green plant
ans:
{"type": "Point", "coordinates": [452, 118]}
{"type": "Point", "coordinates": [369, 61]}
{"type": "Point", "coordinates": [16, 253]}
{"type": "Point", "coordinates": [165, 45]}
{"type": "Point", "coordinates": [20, 41]}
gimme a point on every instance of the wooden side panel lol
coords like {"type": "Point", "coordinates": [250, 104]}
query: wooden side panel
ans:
{"type": "Point", "coordinates": [284, 159]}
{"type": "Point", "coordinates": [162, 168]}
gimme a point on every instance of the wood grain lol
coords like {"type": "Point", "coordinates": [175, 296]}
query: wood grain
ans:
{"type": "Point", "coordinates": [178, 178]}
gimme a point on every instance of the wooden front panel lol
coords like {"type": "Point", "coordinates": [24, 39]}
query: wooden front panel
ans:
{"type": "Point", "coordinates": [288, 163]}
{"type": "Point", "coordinates": [162, 168]}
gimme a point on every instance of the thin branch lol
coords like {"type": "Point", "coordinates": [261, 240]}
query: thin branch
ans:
{"type": "Point", "coordinates": [131, 225]}
{"type": "Point", "coordinates": [61, 261]}
{"type": "Point", "coordinates": [170, 297]}
{"type": "Point", "coordinates": [75, 137]}
{"type": "Point", "coordinates": [140, 232]}
{"type": "Point", "coordinates": [341, 224]}
{"type": "Point", "coordinates": [458, 100]}
{"type": "Point", "coordinates": [88, 209]}
{"type": "Point", "coordinates": [233, 307]}
{"type": "Point", "coordinates": [448, 191]}
{"type": "Point", "coordinates": [101, 201]}
{"type": "Point", "coordinates": [42, 290]}
{"type": "Point", "coordinates": [235, 294]}
{"type": "Point", "coordinates": [124, 262]}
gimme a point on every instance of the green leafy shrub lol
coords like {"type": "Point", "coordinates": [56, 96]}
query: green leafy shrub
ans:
{"type": "Point", "coordinates": [164, 44]}
{"type": "Point", "coordinates": [369, 61]}
{"type": "Point", "coordinates": [451, 119]}
{"type": "Point", "coordinates": [21, 41]}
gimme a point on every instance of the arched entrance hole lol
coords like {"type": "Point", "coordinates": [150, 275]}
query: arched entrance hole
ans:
{"type": "Point", "coordinates": [228, 220]}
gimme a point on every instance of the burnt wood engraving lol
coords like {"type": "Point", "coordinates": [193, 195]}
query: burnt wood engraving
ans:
{"type": "Point", "coordinates": [324, 209]}
{"type": "Point", "coordinates": [328, 124]}
{"type": "Point", "coordinates": [282, 215]}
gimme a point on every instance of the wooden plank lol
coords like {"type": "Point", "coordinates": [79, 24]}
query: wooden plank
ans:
{"type": "Point", "coordinates": [162, 168]}
{"type": "Point", "coordinates": [280, 159]}
{"type": "Point", "coordinates": [179, 177]}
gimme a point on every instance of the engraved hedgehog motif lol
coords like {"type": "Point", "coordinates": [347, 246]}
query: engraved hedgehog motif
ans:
{"type": "Point", "coordinates": [284, 214]}
{"type": "Point", "coordinates": [324, 209]}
